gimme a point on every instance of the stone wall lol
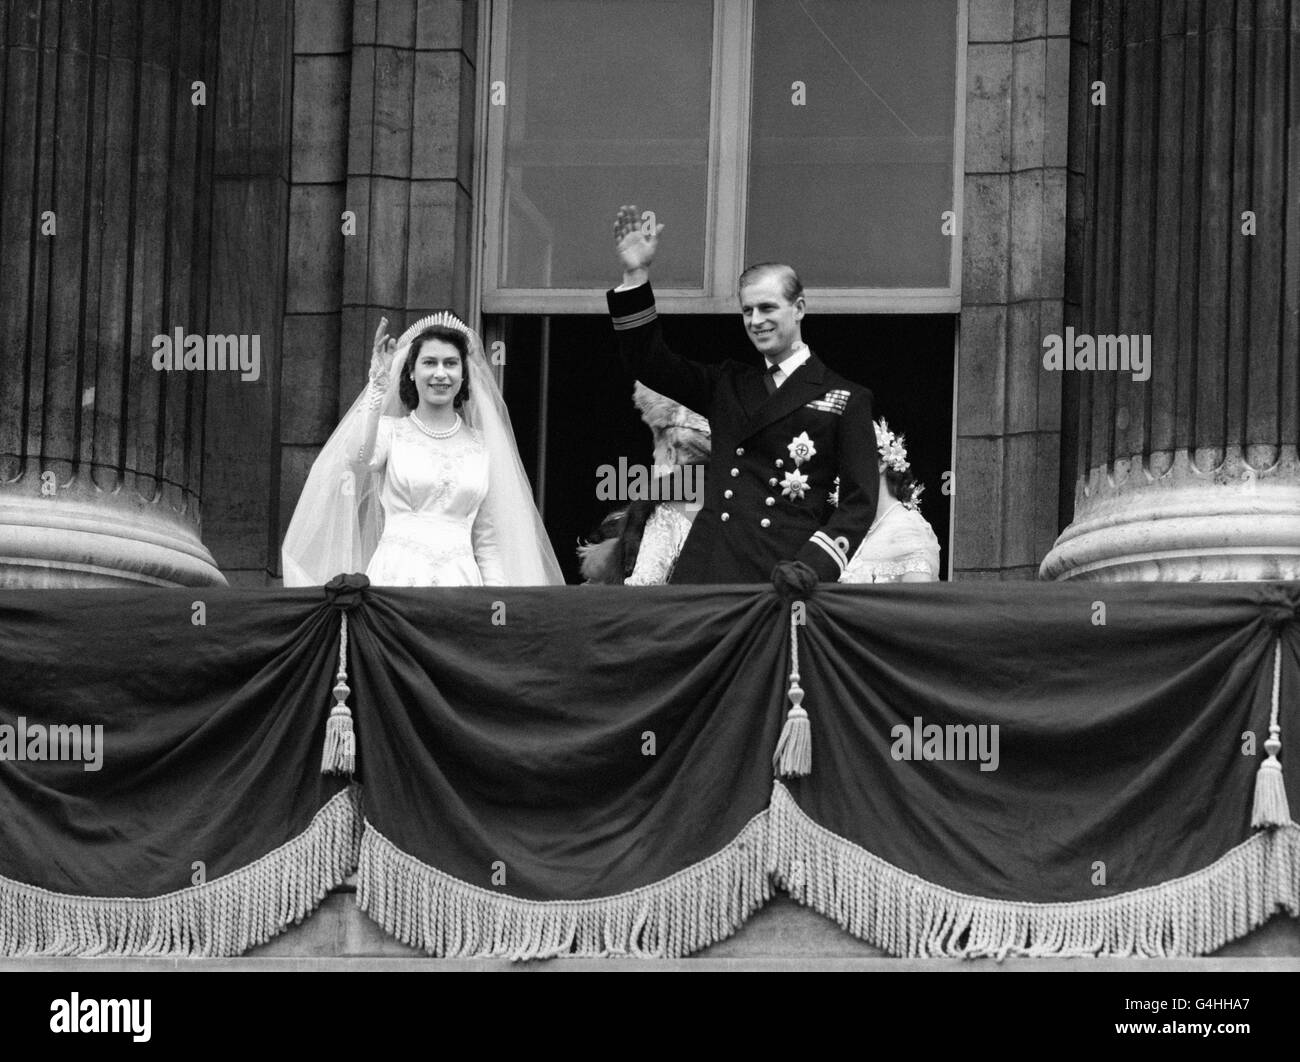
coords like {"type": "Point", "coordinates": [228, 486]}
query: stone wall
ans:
{"type": "Point", "coordinates": [1008, 413]}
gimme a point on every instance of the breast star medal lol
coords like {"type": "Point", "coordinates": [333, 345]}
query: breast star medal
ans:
{"type": "Point", "coordinates": [795, 485]}
{"type": "Point", "coordinates": [801, 448]}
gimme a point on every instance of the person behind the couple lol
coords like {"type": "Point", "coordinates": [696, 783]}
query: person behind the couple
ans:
{"type": "Point", "coordinates": [639, 545]}
{"type": "Point", "coordinates": [900, 545]}
{"type": "Point", "coordinates": [421, 483]}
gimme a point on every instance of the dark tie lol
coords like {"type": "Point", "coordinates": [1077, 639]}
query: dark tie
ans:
{"type": "Point", "coordinates": [769, 378]}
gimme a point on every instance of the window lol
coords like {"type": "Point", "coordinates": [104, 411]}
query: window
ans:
{"type": "Point", "coordinates": [571, 406]}
{"type": "Point", "coordinates": [819, 132]}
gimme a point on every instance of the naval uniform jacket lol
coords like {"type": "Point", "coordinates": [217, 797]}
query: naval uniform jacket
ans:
{"type": "Point", "coordinates": [752, 516]}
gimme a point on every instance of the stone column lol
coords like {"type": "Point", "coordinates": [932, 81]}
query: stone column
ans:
{"type": "Point", "coordinates": [1190, 208]}
{"type": "Point", "coordinates": [104, 195]}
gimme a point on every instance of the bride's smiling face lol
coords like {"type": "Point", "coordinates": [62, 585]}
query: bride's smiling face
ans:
{"type": "Point", "coordinates": [438, 373]}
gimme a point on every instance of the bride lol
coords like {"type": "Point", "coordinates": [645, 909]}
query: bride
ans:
{"type": "Point", "coordinates": [421, 483]}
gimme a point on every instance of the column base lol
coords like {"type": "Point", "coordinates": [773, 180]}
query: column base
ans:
{"type": "Point", "coordinates": [1207, 517]}
{"type": "Point", "coordinates": [72, 541]}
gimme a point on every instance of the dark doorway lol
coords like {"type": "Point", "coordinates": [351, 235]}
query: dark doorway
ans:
{"type": "Point", "coordinates": [586, 401]}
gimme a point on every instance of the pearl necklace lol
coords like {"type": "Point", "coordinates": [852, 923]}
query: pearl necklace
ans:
{"type": "Point", "coordinates": [437, 434]}
{"type": "Point", "coordinates": [876, 523]}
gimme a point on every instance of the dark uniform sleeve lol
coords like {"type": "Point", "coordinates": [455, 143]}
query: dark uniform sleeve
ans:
{"type": "Point", "coordinates": [648, 358]}
{"type": "Point", "coordinates": [831, 546]}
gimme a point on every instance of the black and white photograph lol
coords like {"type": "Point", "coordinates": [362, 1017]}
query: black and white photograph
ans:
{"type": "Point", "coordinates": [650, 486]}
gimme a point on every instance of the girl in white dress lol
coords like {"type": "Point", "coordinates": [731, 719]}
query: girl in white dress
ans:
{"type": "Point", "coordinates": [421, 484]}
{"type": "Point", "coordinates": [900, 546]}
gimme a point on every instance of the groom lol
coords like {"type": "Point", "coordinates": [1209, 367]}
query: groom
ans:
{"type": "Point", "coordinates": [780, 436]}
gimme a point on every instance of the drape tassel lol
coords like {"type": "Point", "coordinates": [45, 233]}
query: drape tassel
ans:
{"type": "Point", "coordinates": [429, 909]}
{"type": "Point", "coordinates": [909, 916]}
{"type": "Point", "coordinates": [1271, 808]}
{"type": "Point", "coordinates": [339, 756]}
{"type": "Point", "coordinates": [793, 755]}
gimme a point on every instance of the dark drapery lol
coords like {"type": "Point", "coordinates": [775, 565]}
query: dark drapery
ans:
{"type": "Point", "coordinates": [211, 742]}
{"type": "Point", "coordinates": [1119, 743]}
{"type": "Point", "coordinates": [588, 769]}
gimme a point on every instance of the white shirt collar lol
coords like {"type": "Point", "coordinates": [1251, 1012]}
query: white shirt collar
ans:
{"type": "Point", "coordinates": [791, 363]}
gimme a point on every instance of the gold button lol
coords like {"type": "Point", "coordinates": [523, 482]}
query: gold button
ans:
{"type": "Point", "coordinates": [740, 451]}
{"type": "Point", "coordinates": [780, 463]}
{"type": "Point", "coordinates": [772, 482]}
{"type": "Point", "coordinates": [765, 522]}
{"type": "Point", "coordinates": [725, 516]}
{"type": "Point", "coordinates": [769, 501]}
{"type": "Point", "coordinates": [735, 472]}
{"type": "Point", "coordinates": [728, 493]}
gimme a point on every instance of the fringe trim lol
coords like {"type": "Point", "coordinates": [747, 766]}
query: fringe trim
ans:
{"type": "Point", "coordinates": [428, 909]}
{"type": "Point", "coordinates": [222, 917]}
{"type": "Point", "coordinates": [908, 916]}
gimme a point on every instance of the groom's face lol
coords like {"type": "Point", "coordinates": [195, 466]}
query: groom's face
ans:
{"type": "Point", "coordinates": [771, 320]}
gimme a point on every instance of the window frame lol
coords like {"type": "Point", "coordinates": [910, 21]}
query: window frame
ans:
{"type": "Point", "coordinates": [726, 190]}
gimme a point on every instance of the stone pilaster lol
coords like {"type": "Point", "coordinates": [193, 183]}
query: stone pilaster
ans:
{"type": "Point", "coordinates": [310, 401]}
{"type": "Point", "coordinates": [1189, 202]}
{"type": "Point", "coordinates": [250, 227]}
{"type": "Point", "coordinates": [105, 189]}
{"type": "Point", "coordinates": [410, 169]}
{"type": "Point", "coordinates": [1008, 412]}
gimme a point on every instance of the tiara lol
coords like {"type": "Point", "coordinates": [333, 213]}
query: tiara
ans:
{"type": "Point", "coordinates": [892, 450]}
{"type": "Point", "coordinates": [443, 318]}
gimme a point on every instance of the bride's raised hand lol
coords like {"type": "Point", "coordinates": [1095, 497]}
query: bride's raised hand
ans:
{"type": "Point", "coordinates": [381, 361]}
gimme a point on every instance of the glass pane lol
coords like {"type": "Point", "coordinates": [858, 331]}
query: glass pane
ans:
{"type": "Point", "coordinates": [607, 102]}
{"type": "Point", "coordinates": [848, 180]}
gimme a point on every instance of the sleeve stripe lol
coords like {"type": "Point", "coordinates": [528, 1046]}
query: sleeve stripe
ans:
{"type": "Point", "coordinates": [635, 320]}
{"type": "Point", "coordinates": [824, 540]}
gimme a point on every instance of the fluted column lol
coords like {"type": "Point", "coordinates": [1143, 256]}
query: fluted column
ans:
{"type": "Point", "coordinates": [1193, 472]}
{"type": "Point", "coordinates": [105, 194]}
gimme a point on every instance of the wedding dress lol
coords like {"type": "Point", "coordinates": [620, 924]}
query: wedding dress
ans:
{"type": "Point", "coordinates": [437, 531]}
